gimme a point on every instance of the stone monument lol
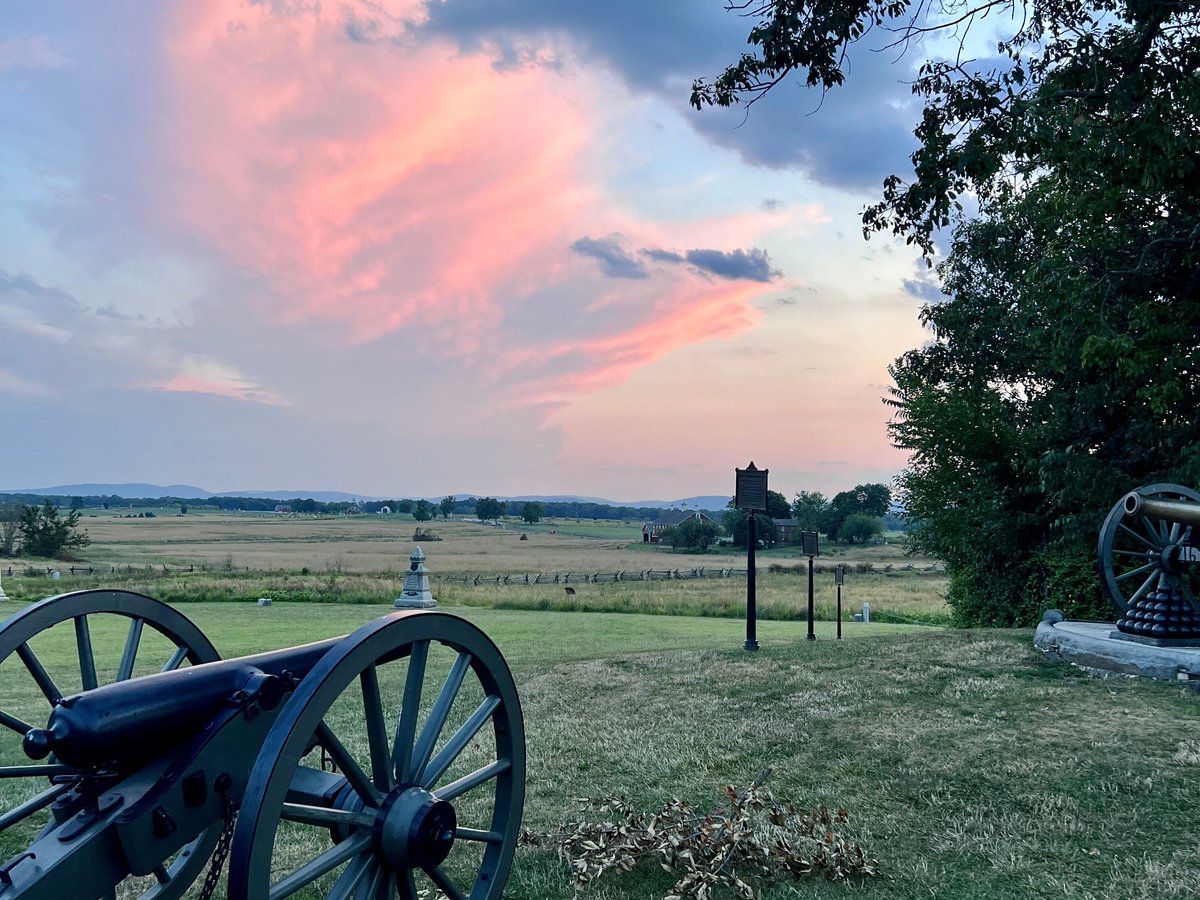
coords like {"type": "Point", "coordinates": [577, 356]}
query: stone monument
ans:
{"type": "Point", "coordinates": [3, 596]}
{"type": "Point", "coordinates": [416, 593]}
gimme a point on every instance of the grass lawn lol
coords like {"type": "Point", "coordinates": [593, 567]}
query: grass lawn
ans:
{"type": "Point", "coordinates": [971, 768]}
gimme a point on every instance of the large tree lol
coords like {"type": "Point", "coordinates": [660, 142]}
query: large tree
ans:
{"type": "Point", "coordinates": [44, 532]}
{"type": "Point", "coordinates": [1065, 358]}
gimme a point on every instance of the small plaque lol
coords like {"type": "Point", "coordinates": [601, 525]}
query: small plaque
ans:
{"type": "Point", "coordinates": [750, 491]}
{"type": "Point", "coordinates": [809, 540]}
{"type": "Point", "coordinates": [839, 574]}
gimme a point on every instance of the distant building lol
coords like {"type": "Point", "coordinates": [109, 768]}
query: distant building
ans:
{"type": "Point", "coordinates": [652, 530]}
{"type": "Point", "coordinates": [283, 507]}
{"type": "Point", "coordinates": [786, 530]}
{"type": "Point", "coordinates": [385, 510]}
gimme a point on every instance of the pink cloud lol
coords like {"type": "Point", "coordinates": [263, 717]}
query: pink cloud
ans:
{"type": "Point", "coordinates": [239, 390]}
{"type": "Point", "coordinates": [375, 186]}
{"type": "Point", "coordinates": [385, 187]}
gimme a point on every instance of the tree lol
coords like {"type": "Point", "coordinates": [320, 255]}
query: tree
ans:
{"type": "Point", "coordinates": [860, 528]}
{"type": "Point", "coordinates": [405, 506]}
{"type": "Point", "coordinates": [45, 533]}
{"type": "Point", "coordinates": [532, 512]}
{"type": "Point", "coordinates": [423, 510]}
{"type": "Point", "coordinates": [446, 505]}
{"type": "Point", "coordinates": [76, 503]}
{"type": "Point", "coordinates": [696, 534]}
{"type": "Point", "coordinates": [809, 509]}
{"type": "Point", "coordinates": [865, 499]}
{"type": "Point", "coordinates": [778, 506]}
{"type": "Point", "coordinates": [737, 525]}
{"type": "Point", "coordinates": [488, 508]}
{"type": "Point", "coordinates": [10, 529]}
{"type": "Point", "coordinates": [1063, 364]}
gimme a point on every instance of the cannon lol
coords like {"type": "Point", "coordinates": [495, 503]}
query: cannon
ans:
{"type": "Point", "coordinates": [1149, 559]}
{"type": "Point", "coordinates": [386, 763]}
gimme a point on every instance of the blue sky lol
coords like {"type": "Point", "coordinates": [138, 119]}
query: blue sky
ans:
{"type": "Point", "coordinates": [412, 248]}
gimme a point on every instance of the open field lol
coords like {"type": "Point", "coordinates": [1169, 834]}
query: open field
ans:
{"type": "Point", "coordinates": [375, 544]}
{"type": "Point", "coordinates": [971, 768]}
{"type": "Point", "coordinates": [363, 559]}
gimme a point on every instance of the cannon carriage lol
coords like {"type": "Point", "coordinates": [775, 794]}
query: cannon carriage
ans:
{"type": "Point", "coordinates": [1149, 558]}
{"type": "Point", "coordinates": [386, 763]}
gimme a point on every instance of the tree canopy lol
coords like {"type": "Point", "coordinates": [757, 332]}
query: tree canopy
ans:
{"type": "Point", "coordinates": [532, 511]}
{"type": "Point", "coordinates": [45, 533]}
{"type": "Point", "coordinates": [1066, 355]}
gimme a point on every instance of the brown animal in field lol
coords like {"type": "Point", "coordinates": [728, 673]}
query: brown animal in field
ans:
{"type": "Point", "coordinates": [571, 590]}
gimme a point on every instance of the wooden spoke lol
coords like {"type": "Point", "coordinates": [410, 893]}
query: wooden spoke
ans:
{"type": "Point", "coordinates": [87, 657]}
{"type": "Point", "coordinates": [437, 716]}
{"type": "Point", "coordinates": [440, 763]}
{"type": "Point", "coordinates": [349, 766]}
{"type": "Point", "coordinates": [322, 865]}
{"type": "Point", "coordinates": [129, 656]}
{"type": "Point", "coordinates": [44, 682]}
{"type": "Point", "coordinates": [377, 730]}
{"type": "Point", "coordinates": [406, 728]}
{"type": "Point", "coordinates": [472, 781]}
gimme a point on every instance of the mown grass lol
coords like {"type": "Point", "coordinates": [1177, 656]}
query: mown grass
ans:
{"type": "Point", "coordinates": [971, 767]}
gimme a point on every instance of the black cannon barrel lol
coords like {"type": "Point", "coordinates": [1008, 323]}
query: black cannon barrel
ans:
{"type": "Point", "coordinates": [132, 720]}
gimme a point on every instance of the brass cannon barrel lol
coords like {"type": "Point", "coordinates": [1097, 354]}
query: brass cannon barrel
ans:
{"type": "Point", "coordinates": [127, 722]}
{"type": "Point", "coordinates": [1182, 511]}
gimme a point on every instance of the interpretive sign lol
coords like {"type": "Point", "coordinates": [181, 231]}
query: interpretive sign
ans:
{"type": "Point", "coordinates": [750, 489]}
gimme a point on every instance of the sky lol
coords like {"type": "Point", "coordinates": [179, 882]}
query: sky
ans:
{"type": "Point", "coordinates": [411, 247]}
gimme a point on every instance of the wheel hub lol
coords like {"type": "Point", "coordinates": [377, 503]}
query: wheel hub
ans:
{"type": "Point", "coordinates": [414, 829]}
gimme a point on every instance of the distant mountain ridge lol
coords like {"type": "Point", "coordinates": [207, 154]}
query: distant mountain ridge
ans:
{"type": "Point", "coordinates": [136, 490]}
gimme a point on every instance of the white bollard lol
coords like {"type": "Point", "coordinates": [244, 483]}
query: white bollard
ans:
{"type": "Point", "coordinates": [866, 613]}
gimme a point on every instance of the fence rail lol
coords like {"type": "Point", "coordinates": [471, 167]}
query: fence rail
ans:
{"type": "Point", "coordinates": [564, 578]}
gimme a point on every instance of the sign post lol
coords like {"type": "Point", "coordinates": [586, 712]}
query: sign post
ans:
{"type": "Point", "coordinates": [839, 576]}
{"type": "Point", "coordinates": [809, 539]}
{"type": "Point", "coordinates": [750, 493]}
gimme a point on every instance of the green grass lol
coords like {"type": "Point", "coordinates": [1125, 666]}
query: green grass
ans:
{"type": "Point", "coordinates": [971, 767]}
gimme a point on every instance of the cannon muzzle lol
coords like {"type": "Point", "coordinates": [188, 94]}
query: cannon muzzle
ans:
{"type": "Point", "coordinates": [1182, 511]}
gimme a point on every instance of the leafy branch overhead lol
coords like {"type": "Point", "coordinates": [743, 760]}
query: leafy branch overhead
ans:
{"type": "Point", "coordinates": [1065, 71]}
{"type": "Point", "coordinates": [750, 841]}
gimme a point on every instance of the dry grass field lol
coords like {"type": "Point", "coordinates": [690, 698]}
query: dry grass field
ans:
{"type": "Point", "coordinates": [379, 544]}
{"type": "Point", "coordinates": [362, 559]}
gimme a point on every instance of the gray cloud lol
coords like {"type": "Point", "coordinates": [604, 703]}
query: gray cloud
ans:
{"type": "Point", "coordinates": [753, 265]}
{"type": "Point", "coordinates": [615, 261]}
{"type": "Point", "coordinates": [851, 137]}
{"type": "Point", "coordinates": [923, 290]}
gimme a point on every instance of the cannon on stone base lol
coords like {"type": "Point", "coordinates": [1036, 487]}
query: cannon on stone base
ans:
{"type": "Point", "coordinates": [1149, 558]}
{"type": "Point", "coordinates": [386, 763]}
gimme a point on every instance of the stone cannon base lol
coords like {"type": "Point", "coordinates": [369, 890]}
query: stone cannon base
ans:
{"type": "Point", "coordinates": [1101, 650]}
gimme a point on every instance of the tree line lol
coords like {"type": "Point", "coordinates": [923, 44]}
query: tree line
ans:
{"type": "Point", "coordinates": [855, 516]}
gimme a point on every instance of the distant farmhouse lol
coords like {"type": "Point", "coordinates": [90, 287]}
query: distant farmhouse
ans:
{"type": "Point", "coordinates": [785, 529]}
{"type": "Point", "coordinates": [283, 507]}
{"type": "Point", "coordinates": [652, 530]}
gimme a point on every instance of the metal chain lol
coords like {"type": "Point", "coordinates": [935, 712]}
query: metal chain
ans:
{"type": "Point", "coordinates": [221, 850]}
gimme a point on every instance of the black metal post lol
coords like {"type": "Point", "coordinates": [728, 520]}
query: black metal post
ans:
{"type": "Point", "coordinates": [811, 635]}
{"type": "Point", "coordinates": [751, 612]}
{"type": "Point", "coordinates": [839, 611]}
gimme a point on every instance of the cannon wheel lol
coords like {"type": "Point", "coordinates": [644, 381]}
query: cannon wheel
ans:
{"type": "Point", "coordinates": [80, 608]}
{"type": "Point", "coordinates": [397, 821]}
{"type": "Point", "coordinates": [1131, 550]}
